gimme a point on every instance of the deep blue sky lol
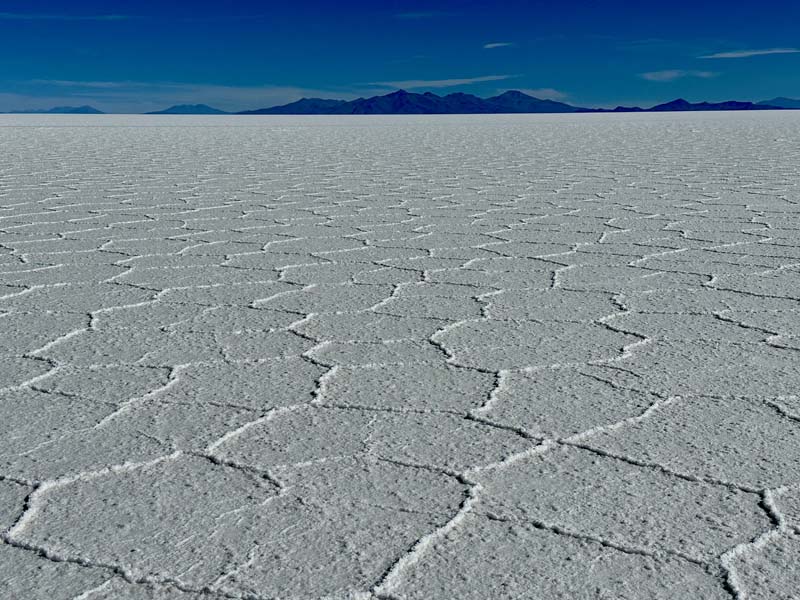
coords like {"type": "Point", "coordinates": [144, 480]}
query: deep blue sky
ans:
{"type": "Point", "coordinates": [132, 56]}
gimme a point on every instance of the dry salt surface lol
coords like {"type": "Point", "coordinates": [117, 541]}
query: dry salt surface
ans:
{"type": "Point", "coordinates": [483, 357]}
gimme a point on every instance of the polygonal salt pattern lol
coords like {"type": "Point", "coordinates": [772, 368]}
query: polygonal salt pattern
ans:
{"type": "Point", "coordinates": [531, 356]}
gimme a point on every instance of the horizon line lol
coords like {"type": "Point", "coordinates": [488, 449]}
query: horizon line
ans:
{"type": "Point", "coordinates": [562, 102]}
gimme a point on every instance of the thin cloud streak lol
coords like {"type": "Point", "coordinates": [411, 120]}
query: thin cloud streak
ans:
{"type": "Point", "coordinates": [673, 74]}
{"type": "Point", "coordinates": [491, 45]}
{"type": "Point", "coordinates": [439, 83]}
{"type": "Point", "coordinates": [749, 53]}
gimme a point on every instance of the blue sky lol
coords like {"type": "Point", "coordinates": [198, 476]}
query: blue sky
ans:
{"type": "Point", "coordinates": [133, 56]}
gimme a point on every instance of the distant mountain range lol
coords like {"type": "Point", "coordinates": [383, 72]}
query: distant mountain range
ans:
{"type": "Point", "coordinates": [306, 106]}
{"type": "Point", "coordinates": [61, 110]}
{"type": "Point", "coordinates": [410, 103]}
{"type": "Point", "coordinates": [402, 102]}
{"type": "Point", "coordinates": [681, 105]}
{"type": "Point", "coordinates": [189, 109]}
{"type": "Point", "coordinates": [781, 102]}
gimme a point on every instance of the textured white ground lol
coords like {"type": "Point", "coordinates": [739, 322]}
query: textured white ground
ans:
{"type": "Point", "coordinates": [400, 358]}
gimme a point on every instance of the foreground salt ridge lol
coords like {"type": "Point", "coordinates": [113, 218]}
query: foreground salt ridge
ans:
{"type": "Point", "coordinates": [495, 357]}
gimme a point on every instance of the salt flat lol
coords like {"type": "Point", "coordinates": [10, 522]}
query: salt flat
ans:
{"type": "Point", "coordinates": [469, 357]}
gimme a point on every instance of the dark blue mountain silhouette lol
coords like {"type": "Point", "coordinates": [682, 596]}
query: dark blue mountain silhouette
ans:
{"type": "Point", "coordinates": [513, 101]}
{"type": "Point", "coordinates": [402, 102]}
{"type": "Point", "coordinates": [781, 102]}
{"type": "Point", "coordinates": [682, 105]}
{"type": "Point", "coordinates": [189, 109]}
{"type": "Point", "coordinates": [61, 110]}
{"type": "Point", "coordinates": [304, 106]}
{"type": "Point", "coordinates": [396, 103]}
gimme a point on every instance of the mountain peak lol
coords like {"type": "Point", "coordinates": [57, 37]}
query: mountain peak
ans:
{"type": "Point", "coordinates": [514, 101]}
{"type": "Point", "coordinates": [63, 110]}
{"type": "Point", "coordinates": [677, 104]}
{"type": "Point", "coordinates": [681, 104]}
{"type": "Point", "coordinates": [515, 94]}
{"type": "Point", "coordinates": [304, 106]}
{"type": "Point", "coordinates": [189, 109]}
{"type": "Point", "coordinates": [781, 102]}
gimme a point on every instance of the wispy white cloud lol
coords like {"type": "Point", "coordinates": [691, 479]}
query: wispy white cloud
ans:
{"type": "Point", "coordinates": [545, 93]}
{"type": "Point", "coordinates": [673, 74]}
{"type": "Point", "coordinates": [7, 16]}
{"type": "Point", "coordinates": [439, 83]}
{"type": "Point", "coordinates": [491, 45]}
{"type": "Point", "coordinates": [748, 53]}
